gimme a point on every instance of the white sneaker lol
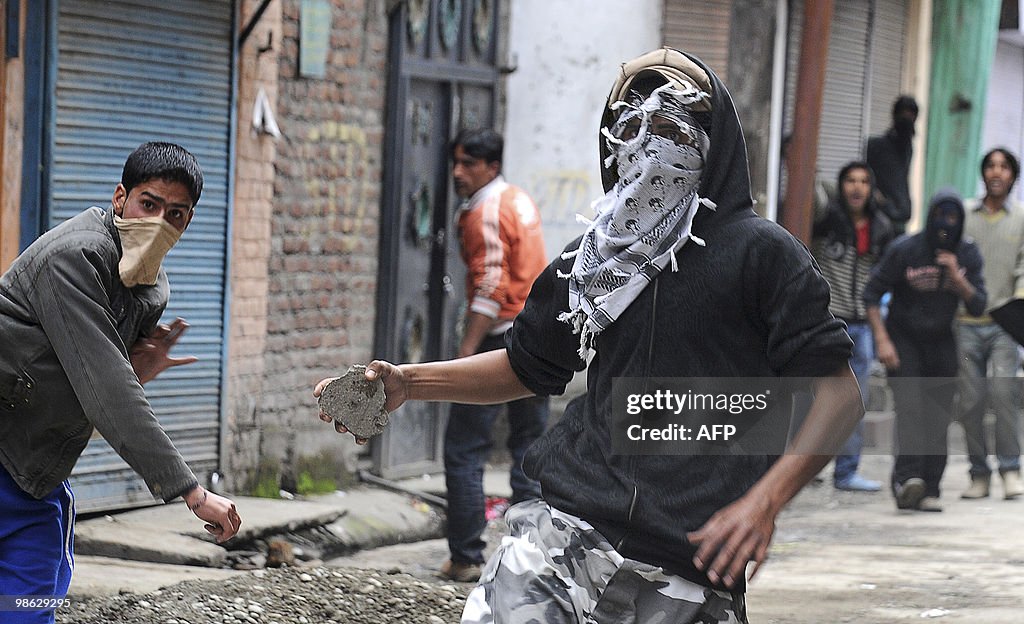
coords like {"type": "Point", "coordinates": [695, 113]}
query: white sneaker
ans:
{"type": "Point", "coordinates": [1012, 485]}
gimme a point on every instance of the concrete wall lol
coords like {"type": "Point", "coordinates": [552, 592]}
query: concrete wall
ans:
{"type": "Point", "coordinates": [1004, 118]}
{"type": "Point", "coordinates": [566, 54]}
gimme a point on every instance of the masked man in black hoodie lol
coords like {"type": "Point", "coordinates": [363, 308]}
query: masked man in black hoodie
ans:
{"type": "Point", "coordinates": [928, 275]}
{"type": "Point", "coordinates": [889, 155]}
{"type": "Point", "coordinates": [677, 277]}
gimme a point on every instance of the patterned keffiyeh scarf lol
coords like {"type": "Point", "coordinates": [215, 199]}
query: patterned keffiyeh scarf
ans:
{"type": "Point", "coordinates": [659, 151]}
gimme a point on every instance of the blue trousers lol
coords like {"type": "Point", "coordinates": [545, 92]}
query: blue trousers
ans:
{"type": "Point", "coordinates": [36, 546]}
{"type": "Point", "coordinates": [848, 458]}
{"type": "Point", "coordinates": [467, 444]}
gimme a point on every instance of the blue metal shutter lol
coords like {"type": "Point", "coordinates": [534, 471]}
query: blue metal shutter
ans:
{"type": "Point", "coordinates": [128, 72]}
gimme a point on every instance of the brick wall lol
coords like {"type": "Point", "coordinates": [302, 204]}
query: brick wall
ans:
{"type": "Point", "coordinates": [323, 235]}
{"type": "Point", "coordinates": [250, 248]}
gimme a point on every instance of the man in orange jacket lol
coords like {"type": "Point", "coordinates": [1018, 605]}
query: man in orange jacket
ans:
{"type": "Point", "coordinates": [503, 248]}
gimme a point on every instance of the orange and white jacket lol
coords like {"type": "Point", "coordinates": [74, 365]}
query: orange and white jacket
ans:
{"type": "Point", "coordinates": [503, 248]}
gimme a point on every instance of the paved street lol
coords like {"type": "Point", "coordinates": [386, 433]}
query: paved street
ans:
{"type": "Point", "coordinates": [852, 557]}
{"type": "Point", "coordinates": [837, 556]}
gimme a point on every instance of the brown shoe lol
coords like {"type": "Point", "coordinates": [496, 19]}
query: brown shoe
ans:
{"type": "Point", "coordinates": [460, 572]}
{"type": "Point", "coordinates": [929, 503]}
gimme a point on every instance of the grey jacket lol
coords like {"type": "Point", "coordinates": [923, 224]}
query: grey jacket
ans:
{"type": "Point", "coordinates": [66, 325]}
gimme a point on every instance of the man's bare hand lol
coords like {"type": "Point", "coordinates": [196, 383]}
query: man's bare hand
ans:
{"type": "Point", "coordinates": [221, 517]}
{"type": "Point", "coordinates": [394, 389]}
{"type": "Point", "coordinates": [887, 354]}
{"type": "Point", "coordinates": [948, 259]}
{"type": "Point", "coordinates": [734, 536]}
{"type": "Point", "coordinates": [151, 355]}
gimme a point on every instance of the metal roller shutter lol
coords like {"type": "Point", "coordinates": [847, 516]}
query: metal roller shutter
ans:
{"type": "Point", "coordinates": [887, 51]}
{"type": "Point", "coordinates": [841, 136]}
{"type": "Point", "coordinates": [701, 28]}
{"type": "Point", "coordinates": [865, 64]}
{"type": "Point", "coordinates": [793, 38]}
{"type": "Point", "coordinates": [128, 72]}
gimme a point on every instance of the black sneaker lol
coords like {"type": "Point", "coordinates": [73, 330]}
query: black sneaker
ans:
{"type": "Point", "coordinates": [909, 493]}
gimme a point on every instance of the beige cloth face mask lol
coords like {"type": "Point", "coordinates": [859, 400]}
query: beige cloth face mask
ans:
{"type": "Point", "coordinates": [144, 243]}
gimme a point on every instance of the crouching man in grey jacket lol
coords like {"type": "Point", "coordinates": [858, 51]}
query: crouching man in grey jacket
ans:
{"type": "Point", "coordinates": [79, 335]}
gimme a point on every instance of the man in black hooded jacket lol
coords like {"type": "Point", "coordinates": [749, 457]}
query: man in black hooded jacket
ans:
{"type": "Point", "coordinates": [928, 274]}
{"type": "Point", "coordinates": [889, 156]}
{"type": "Point", "coordinates": [677, 277]}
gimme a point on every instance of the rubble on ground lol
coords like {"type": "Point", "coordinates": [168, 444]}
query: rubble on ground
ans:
{"type": "Point", "coordinates": [284, 596]}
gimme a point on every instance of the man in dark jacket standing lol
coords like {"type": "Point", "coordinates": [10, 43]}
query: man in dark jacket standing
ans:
{"type": "Point", "coordinates": [79, 335]}
{"type": "Point", "coordinates": [889, 156]}
{"type": "Point", "coordinates": [676, 277]}
{"type": "Point", "coordinates": [928, 274]}
{"type": "Point", "coordinates": [848, 240]}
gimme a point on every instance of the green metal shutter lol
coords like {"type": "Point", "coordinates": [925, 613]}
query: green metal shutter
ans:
{"type": "Point", "coordinates": [128, 72]}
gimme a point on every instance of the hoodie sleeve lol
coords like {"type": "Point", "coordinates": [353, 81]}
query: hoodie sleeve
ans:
{"type": "Point", "coordinates": [71, 303]}
{"type": "Point", "coordinates": [543, 351]}
{"type": "Point", "coordinates": [804, 338]}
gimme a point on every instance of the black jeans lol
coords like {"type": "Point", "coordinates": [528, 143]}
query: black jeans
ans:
{"type": "Point", "coordinates": [467, 444]}
{"type": "Point", "coordinates": [921, 431]}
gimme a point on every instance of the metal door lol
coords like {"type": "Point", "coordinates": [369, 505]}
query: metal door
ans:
{"type": "Point", "coordinates": [442, 78]}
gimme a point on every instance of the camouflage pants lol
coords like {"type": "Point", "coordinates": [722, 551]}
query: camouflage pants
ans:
{"type": "Point", "coordinates": [554, 568]}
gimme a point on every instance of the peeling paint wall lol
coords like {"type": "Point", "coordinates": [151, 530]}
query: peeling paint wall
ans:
{"type": "Point", "coordinates": [566, 55]}
{"type": "Point", "coordinates": [1004, 114]}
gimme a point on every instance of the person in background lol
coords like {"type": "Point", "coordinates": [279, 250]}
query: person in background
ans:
{"type": "Point", "coordinates": [996, 224]}
{"type": "Point", "coordinates": [848, 239]}
{"type": "Point", "coordinates": [928, 275]}
{"type": "Point", "coordinates": [889, 156]}
{"type": "Point", "coordinates": [502, 246]}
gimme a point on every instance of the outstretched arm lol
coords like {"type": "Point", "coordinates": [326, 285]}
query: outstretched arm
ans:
{"type": "Point", "coordinates": [483, 378]}
{"type": "Point", "coordinates": [742, 531]}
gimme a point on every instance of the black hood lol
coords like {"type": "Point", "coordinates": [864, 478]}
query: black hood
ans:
{"type": "Point", "coordinates": [726, 179]}
{"type": "Point", "coordinates": [945, 226]}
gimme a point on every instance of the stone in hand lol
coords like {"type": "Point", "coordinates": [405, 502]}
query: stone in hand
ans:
{"type": "Point", "coordinates": [356, 403]}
